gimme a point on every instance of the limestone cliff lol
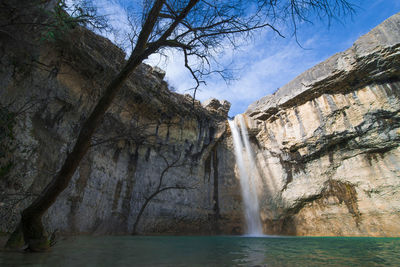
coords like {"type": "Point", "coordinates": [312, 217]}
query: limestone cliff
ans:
{"type": "Point", "coordinates": [328, 143]}
{"type": "Point", "coordinates": [47, 91]}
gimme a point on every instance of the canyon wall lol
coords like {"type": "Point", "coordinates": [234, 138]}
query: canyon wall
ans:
{"type": "Point", "coordinates": [151, 139]}
{"type": "Point", "coordinates": [327, 143]}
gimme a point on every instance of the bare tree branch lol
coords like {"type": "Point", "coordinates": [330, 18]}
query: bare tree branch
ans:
{"type": "Point", "coordinates": [160, 188]}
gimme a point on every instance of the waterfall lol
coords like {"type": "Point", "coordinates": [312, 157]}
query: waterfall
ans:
{"type": "Point", "coordinates": [248, 175]}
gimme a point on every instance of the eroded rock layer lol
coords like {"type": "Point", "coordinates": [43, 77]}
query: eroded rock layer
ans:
{"type": "Point", "coordinates": [328, 143]}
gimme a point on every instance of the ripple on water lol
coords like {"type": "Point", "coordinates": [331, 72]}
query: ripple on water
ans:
{"type": "Point", "coordinates": [213, 251]}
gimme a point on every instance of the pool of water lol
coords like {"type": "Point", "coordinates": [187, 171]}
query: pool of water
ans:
{"type": "Point", "coordinates": [212, 251]}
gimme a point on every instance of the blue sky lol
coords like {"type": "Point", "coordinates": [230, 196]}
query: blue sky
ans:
{"type": "Point", "coordinates": [269, 61]}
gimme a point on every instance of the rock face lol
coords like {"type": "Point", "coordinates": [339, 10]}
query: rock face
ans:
{"type": "Point", "coordinates": [327, 143]}
{"type": "Point", "coordinates": [215, 106]}
{"type": "Point", "coordinates": [149, 137]}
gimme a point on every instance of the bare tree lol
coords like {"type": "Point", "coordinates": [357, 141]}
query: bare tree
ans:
{"type": "Point", "coordinates": [176, 163]}
{"type": "Point", "coordinates": [197, 28]}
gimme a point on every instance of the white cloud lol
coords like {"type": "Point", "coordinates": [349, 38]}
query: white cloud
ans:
{"type": "Point", "coordinates": [265, 62]}
{"type": "Point", "coordinates": [264, 66]}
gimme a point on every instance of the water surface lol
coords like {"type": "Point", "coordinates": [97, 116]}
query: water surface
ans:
{"type": "Point", "coordinates": [213, 251]}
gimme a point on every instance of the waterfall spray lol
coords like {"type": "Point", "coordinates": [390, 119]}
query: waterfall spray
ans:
{"type": "Point", "coordinates": [248, 174]}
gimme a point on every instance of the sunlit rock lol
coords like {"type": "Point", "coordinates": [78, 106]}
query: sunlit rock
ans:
{"type": "Point", "coordinates": [327, 143]}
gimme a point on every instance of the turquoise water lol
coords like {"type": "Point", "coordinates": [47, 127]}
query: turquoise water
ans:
{"type": "Point", "coordinates": [213, 251]}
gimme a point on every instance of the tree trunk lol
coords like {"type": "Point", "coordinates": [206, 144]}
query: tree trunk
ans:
{"type": "Point", "coordinates": [31, 218]}
{"type": "Point", "coordinates": [158, 191]}
{"type": "Point", "coordinates": [141, 212]}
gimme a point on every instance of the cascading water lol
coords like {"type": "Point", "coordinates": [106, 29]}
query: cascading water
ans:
{"type": "Point", "coordinates": [248, 175]}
